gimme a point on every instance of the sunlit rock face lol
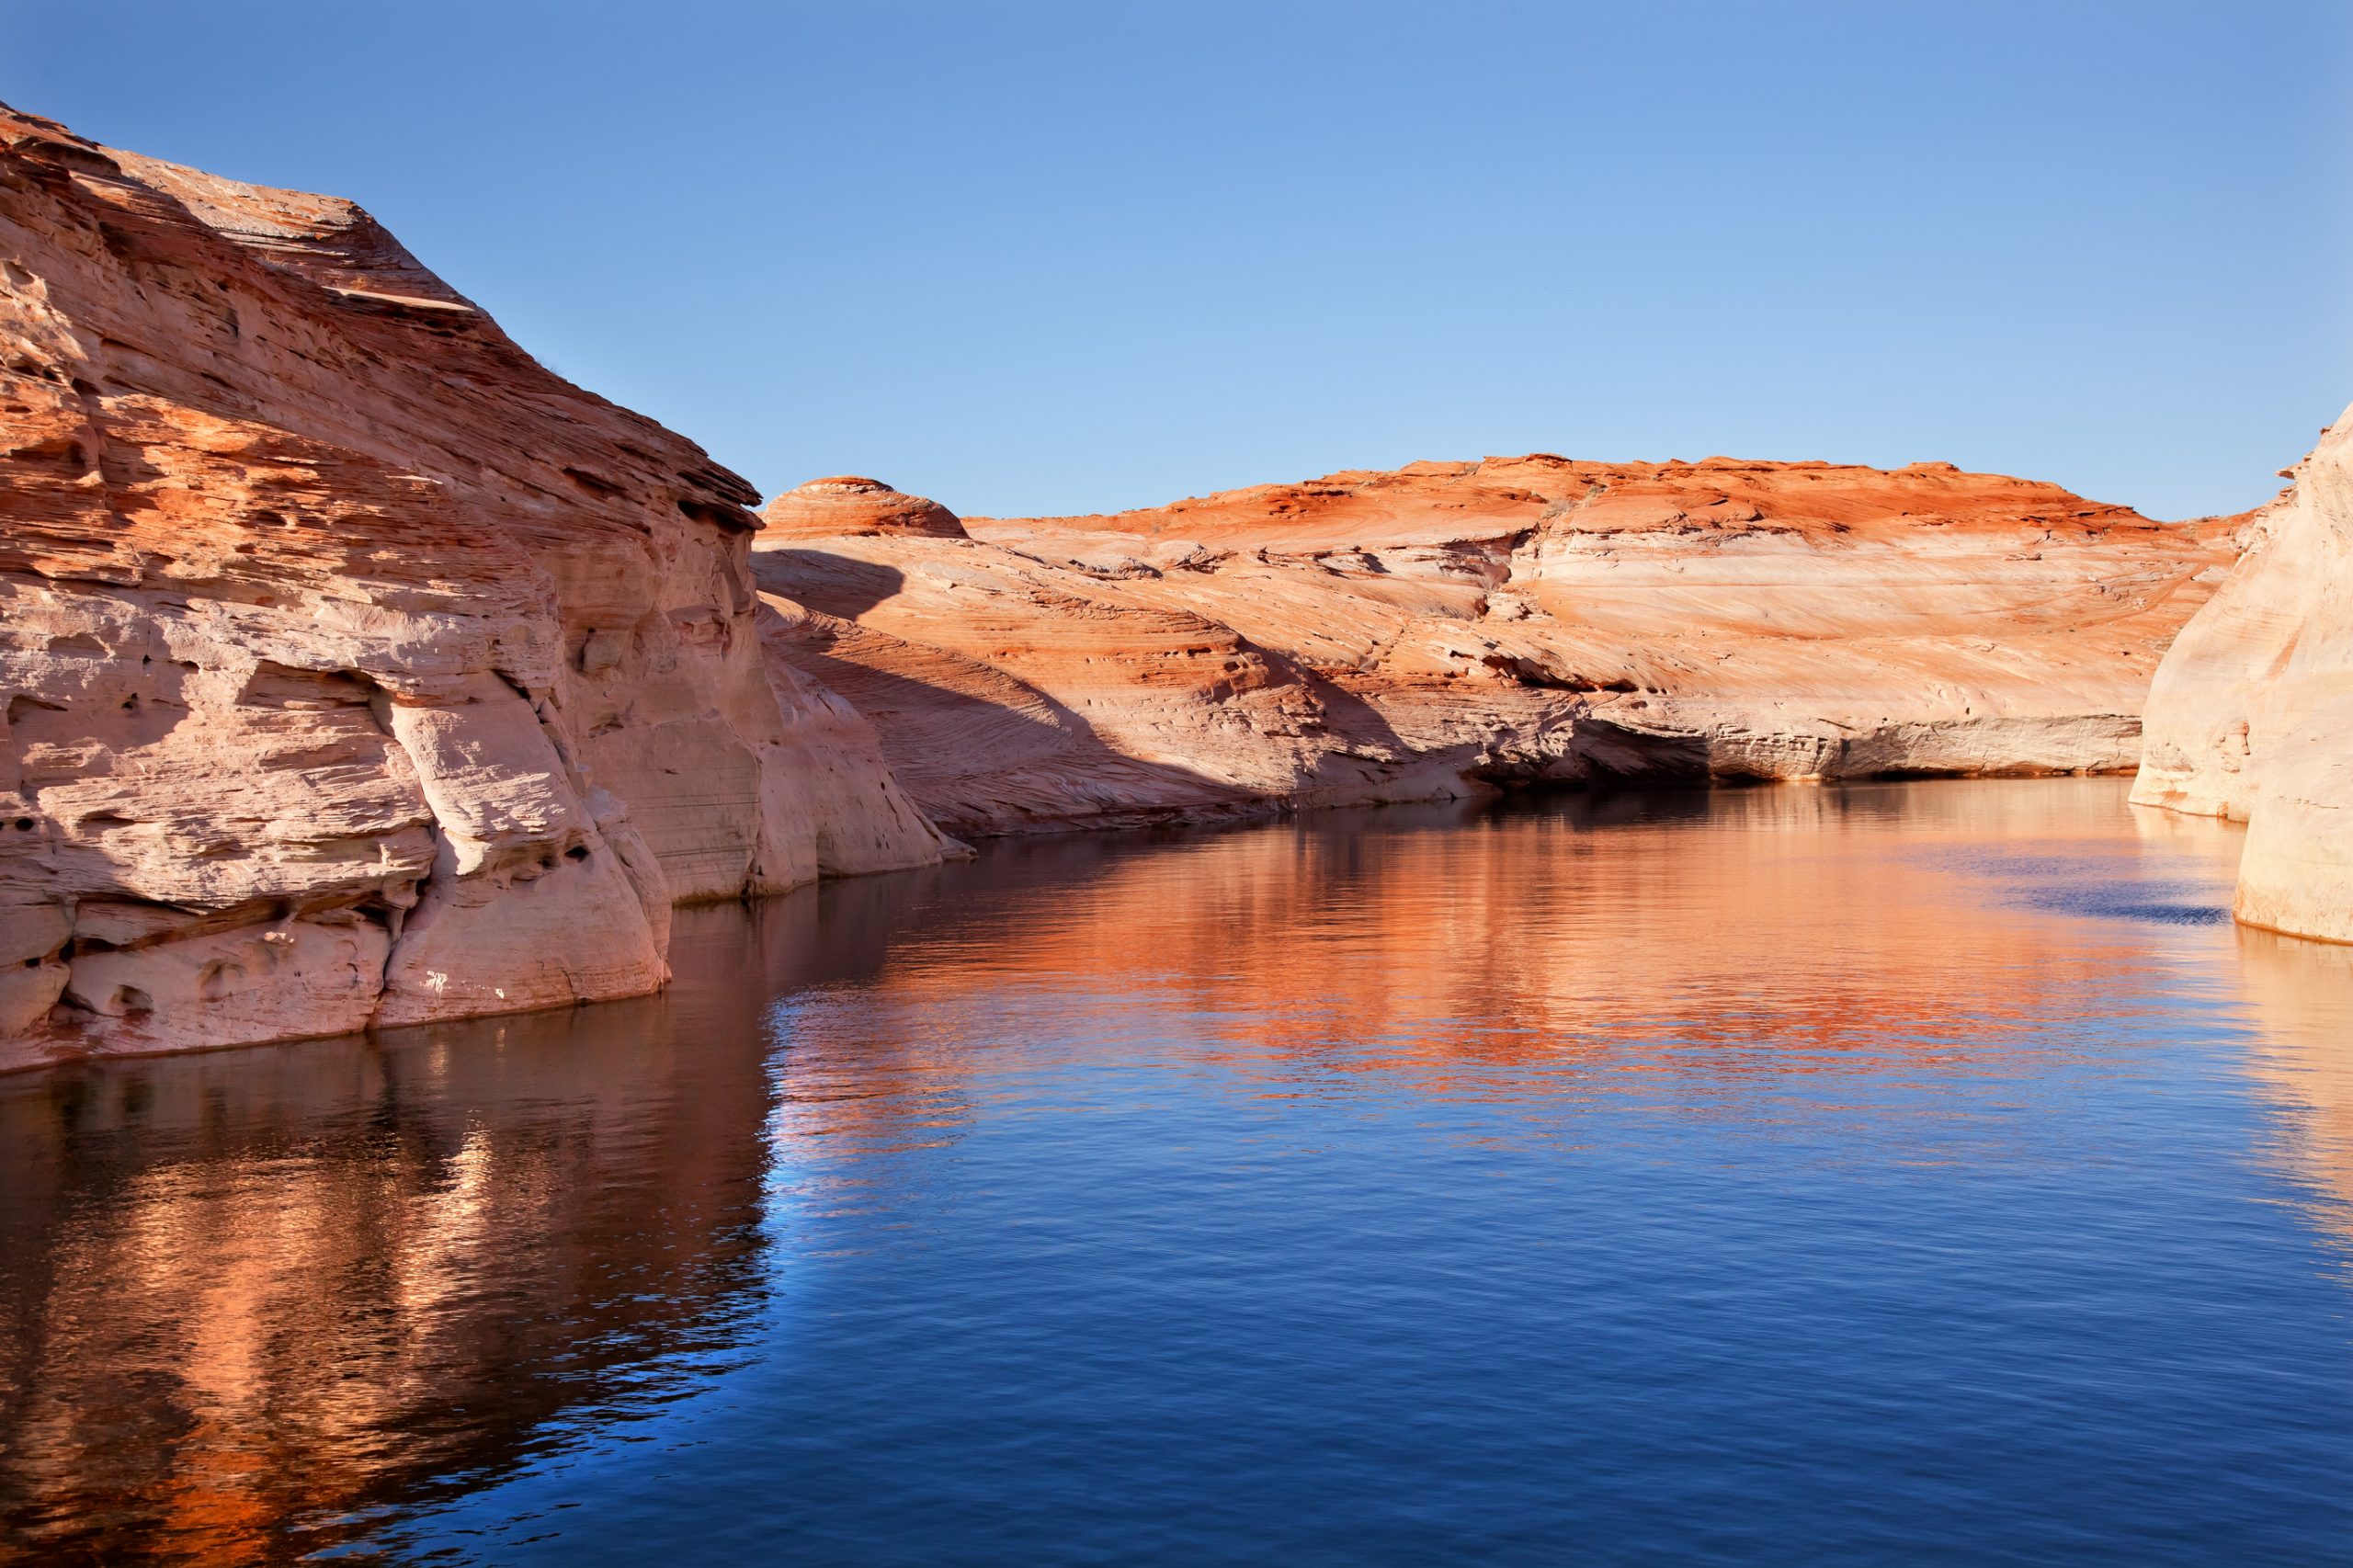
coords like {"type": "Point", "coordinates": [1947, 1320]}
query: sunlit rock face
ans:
{"type": "Point", "coordinates": [357, 669]}
{"type": "Point", "coordinates": [1429, 631]}
{"type": "Point", "coordinates": [2252, 713]}
{"type": "Point", "coordinates": [847, 506]}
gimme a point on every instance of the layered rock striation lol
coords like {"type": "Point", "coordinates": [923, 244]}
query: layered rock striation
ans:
{"type": "Point", "coordinates": [357, 669]}
{"type": "Point", "coordinates": [2251, 716]}
{"type": "Point", "coordinates": [849, 506]}
{"type": "Point", "coordinates": [1446, 627]}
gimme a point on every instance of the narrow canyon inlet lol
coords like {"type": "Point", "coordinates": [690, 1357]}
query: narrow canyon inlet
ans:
{"type": "Point", "coordinates": [1856, 1172]}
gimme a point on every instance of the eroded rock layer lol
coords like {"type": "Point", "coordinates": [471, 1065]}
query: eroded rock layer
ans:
{"type": "Point", "coordinates": [1418, 633]}
{"type": "Point", "coordinates": [2252, 713]}
{"type": "Point", "coordinates": [847, 505]}
{"type": "Point", "coordinates": [357, 670]}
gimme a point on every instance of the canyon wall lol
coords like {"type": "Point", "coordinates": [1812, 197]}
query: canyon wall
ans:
{"type": "Point", "coordinates": [1425, 632]}
{"type": "Point", "coordinates": [357, 670]}
{"type": "Point", "coordinates": [2251, 716]}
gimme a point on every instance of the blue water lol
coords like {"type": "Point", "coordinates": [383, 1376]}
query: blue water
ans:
{"type": "Point", "coordinates": [1922, 1172]}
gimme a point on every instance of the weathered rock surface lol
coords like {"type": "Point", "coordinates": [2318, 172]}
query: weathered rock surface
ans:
{"type": "Point", "coordinates": [1421, 633]}
{"type": "Point", "coordinates": [2252, 712]}
{"type": "Point", "coordinates": [357, 669]}
{"type": "Point", "coordinates": [849, 506]}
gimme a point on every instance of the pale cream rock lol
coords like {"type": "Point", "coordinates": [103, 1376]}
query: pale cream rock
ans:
{"type": "Point", "coordinates": [2252, 712]}
{"type": "Point", "coordinates": [230, 986]}
{"type": "Point", "coordinates": [521, 868]}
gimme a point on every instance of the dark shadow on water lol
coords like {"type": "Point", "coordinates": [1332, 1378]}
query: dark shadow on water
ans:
{"type": "Point", "coordinates": [2099, 903]}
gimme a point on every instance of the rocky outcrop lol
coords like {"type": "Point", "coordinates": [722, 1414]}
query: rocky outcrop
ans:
{"type": "Point", "coordinates": [2251, 716]}
{"type": "Point", "coordinates": [357, 670]}
{"type": "Point", "coordinates": [1449, 626]}
{"type": "Point", "coordinates": [847, 507]}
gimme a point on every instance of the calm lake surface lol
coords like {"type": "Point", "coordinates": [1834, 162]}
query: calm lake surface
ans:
{"type": "Point", "coordinates": [1916, 1173]}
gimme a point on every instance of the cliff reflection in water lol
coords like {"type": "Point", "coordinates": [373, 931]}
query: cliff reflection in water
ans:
{"type": "Point", "coordinates": [2301, 996]}
{"type": "Point", "coordinates": [248, 1295]}
{"type": "Point", "coordinates": [260, 1301]}
{"type": "Point", "coordinates": [1726, 932]}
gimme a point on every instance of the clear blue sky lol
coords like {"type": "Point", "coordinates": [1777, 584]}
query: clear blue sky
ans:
{"type": "Point", "coordinates": [1028, 257]}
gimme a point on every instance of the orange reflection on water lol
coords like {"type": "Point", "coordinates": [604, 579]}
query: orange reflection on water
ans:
{"type": "Point", "coordinates": [1785, 925]}
{"type": "Point", "coordinates": [250, 1293]}
{"type": "Point", "coordinates": [251, 1300]}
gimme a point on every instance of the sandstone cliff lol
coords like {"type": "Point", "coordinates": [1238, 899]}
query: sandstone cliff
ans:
{"type": "Point", "coordinates": [2252, 713]}
{"type": "Point", "coordinates": [1407, 635]}
{"type": "Point", "coordinates": [357, 669]}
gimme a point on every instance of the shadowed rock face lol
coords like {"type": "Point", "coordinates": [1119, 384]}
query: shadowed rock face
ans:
{"type": "Point", "coordinates": [2252, 713]}
{"type": "Point", "coordinates": [1426, 632]}
{"type": "Point", "coordinates": [357, 669]}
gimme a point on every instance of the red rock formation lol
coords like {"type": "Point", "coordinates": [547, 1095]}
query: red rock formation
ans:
{"type": "Point", "coordinates": [2252, 713]}
{"type": "Point", "coordinates": [357, 669]}
{"type": "Point", "coordinates": [1383, 636]}
{"type": "Point", "coordinates": [848, 507]}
